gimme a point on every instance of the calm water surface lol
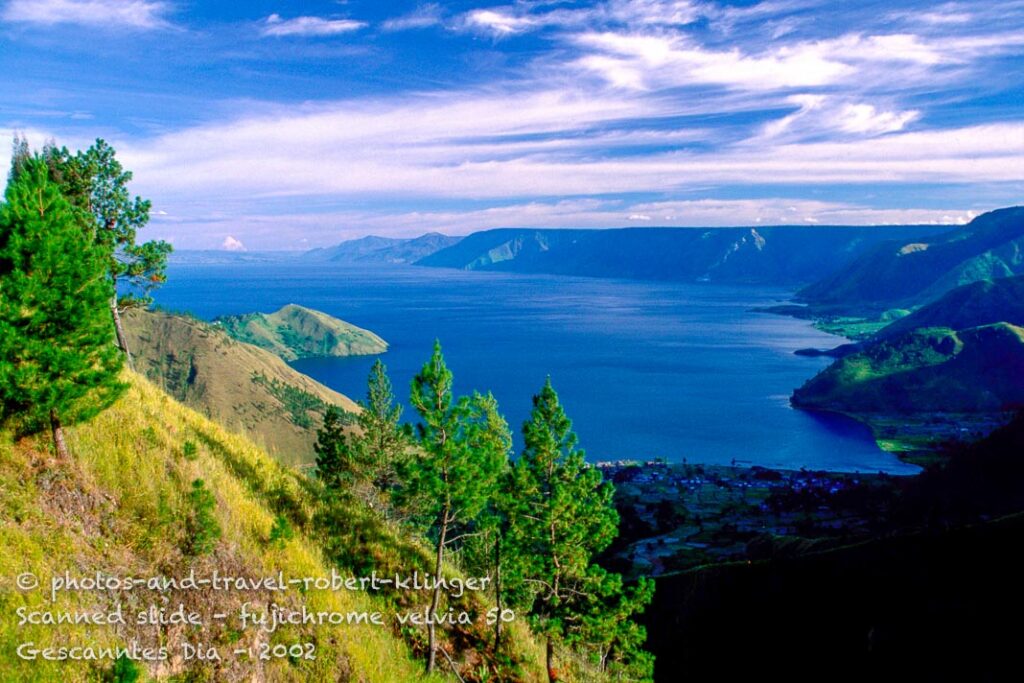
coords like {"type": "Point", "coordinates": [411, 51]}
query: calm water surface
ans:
{"type": "Point", "coordinates": [680, 371]}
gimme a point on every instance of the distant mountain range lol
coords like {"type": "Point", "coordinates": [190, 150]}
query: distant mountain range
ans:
{"type": "Point", "coordinates": [373, 249]}
{"type": "Point", "coordinates": [783, 255]}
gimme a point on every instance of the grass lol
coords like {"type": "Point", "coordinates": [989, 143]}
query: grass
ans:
{"type": "Point", "coordinates": [122, 504]}
{"type": "Point", "coordinates": [201, 366]}
{"type": "Point", "coordinates": [295, 332]}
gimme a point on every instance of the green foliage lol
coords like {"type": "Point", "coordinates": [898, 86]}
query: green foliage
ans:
{"type": "Point", "coordinates": [202, 526]}
{"type": "Point", "coordinates": [562, 514]}
{"type": "Point", "coordinates": [385, 444]}
{"type": "Point", "coordinates": [60, 365]}
{"type": "Point", "coordinates": [97, 185]}
{"type": "Point", "coordinates": [297, 402]}
{"type": "Point", "coordinates": [281, 532]}
{"type": "Point", "coordinates": [124, 670]}
{"type": "Point", "coordinates": [340, 457]}
{"type": "Point", "coordinates": [464, 446]}
{"type": "Point", "coordinates": [189, 449]}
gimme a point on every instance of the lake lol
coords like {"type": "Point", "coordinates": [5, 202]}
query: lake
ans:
{"type": "Point", "coordinates": [645, 370]}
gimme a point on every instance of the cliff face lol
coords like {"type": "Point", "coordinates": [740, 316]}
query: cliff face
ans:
{"type": "Point", "coordinates": [783, 255]}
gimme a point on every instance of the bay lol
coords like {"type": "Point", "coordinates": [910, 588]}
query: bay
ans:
{"type": "Point", "coordinates": [645, 370]}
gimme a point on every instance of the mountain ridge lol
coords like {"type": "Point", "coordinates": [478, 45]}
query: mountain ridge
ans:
{"type": "Point", "coordinates": [901, 273]}
{"type": "Point", "coordinates": [773, 254]}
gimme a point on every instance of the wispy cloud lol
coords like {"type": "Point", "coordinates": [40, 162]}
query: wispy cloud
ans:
{"type": "Point", "coordinates": [594, 113]}
{"type": "Point", "coordinates": [137, 14]}
{"type": "Point", "coordinates": [275, 25]}
{"type": "Point", "coordinates": [498, 23]}
{"type": "Point", "coordinates": [424, 16]}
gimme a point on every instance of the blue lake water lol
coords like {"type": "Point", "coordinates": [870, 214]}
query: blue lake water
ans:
{"type": "Point", "coordinates": [680, 371]}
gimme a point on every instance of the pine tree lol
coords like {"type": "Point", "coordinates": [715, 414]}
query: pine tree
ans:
{"type": "Point", "coordinates": [464, 444]}
{"type": "Point", "coordinates": [97, 186]}
{"type": "Point", "coordinates": [339, 457]}
{"type": "Point", "coordinates": [58, 364]}
{"type": "Point", "coordinates": [563, 515]}
{"type": "Point", "coordinates": [383, 439]}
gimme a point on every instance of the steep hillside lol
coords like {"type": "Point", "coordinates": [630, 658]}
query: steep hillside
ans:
{"type": "Point", "coordinates": [241, 386]}
{"type": "Point", "coordinates": [980, 303]}
{"type": "Point", "coordinates": [934, 370]}
{"type": "Point", "coordinates": [295, 332]}
{"type": "Point", "coordinates": [777, 255]}
{"type": "Point", "coordinates": [123, 506]}
{"type": "Point", "coordinates": [907, 273]}
{"type": "Point", "coordinates": [373, 249]}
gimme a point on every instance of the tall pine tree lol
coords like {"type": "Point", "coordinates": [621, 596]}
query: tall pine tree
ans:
{"type": "Point", "coordinates": [58, 364]}
{"type": "Point", "coordinates": [384, 441]}
{"type": "Point", "coordinates": [464, 444]}
{"type": "Point", "coordinates": [562, 516]}
{"type": "Point", "coordinates": [96, 185]}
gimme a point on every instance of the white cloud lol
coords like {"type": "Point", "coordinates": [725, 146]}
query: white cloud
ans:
{"type": "Point", "coordinates": [274, 25]}
{"type": "Point", "coordinates": [664, 61]}
{"type": "Point", "coordinates": [139, 14]}
{"type": "Point", "coordinates": [423, 17]}
{"type": "Point", "coordinates": [494, 146]}
{"type": "Point", "coordinates": [788, 211]}
{"type": "Point", "coordinates": [864, 118]}
{"type": "Point", "coordinates": [497, 23]}
{"type": "Point", "coordinates": [818, 114]}
{"type": "Point", "coordinates": [232, 244]}
{"type": "Point", "coordinates": [522, 17]}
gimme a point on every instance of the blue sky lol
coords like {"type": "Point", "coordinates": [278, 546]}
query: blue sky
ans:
{"type": "Point", "coordinates": [289, 125]}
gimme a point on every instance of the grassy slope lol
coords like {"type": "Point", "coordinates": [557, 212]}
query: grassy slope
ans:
{"type": "Point", "coordinates": [979, 303]}
{"type": "Point", "coordinates": [204, 368]}
{"type": "Point", "coordinates": [979, 369]}
{"type": "Point", "coordinates": [297, 332]}
{"type": "Point", "coordinates": [118, 507]}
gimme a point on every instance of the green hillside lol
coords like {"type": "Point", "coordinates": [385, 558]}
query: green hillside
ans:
{"type": "Point", "coordinates": [905, 273]}
{"type": "Point", "coordinates": [932, 370]}
{"type": "Point", "coordinates": [241, 386]}
{"type": "Point", "coordinates": [122, 506]}
{"type": "Point", "coordinates": [295, 332]}
{"type": "Point", "coordinates": [980, 303]}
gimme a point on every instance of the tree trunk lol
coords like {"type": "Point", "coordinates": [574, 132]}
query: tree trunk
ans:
{"type": "Point", "coordinates": [497, 593]}
{"type": "Point", "coordinates": [59, 445]}
{"type": "Point", "coordinates": [122, 341]}
{"type": "Point", "coordinates": [550, 655]}
{"type": "Point", "coordinates": [436, 600]}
